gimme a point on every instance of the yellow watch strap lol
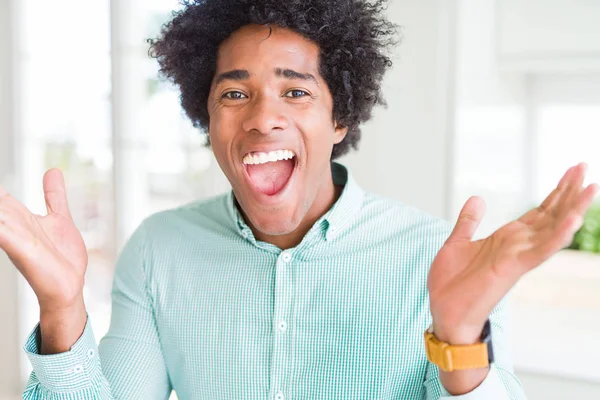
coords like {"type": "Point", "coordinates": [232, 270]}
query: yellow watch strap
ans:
{"type": "Point", "coordinates": [455, 357]}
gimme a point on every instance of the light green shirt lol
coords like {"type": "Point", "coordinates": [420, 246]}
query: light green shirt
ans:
{"type": "Point", "coordinates": [201, 307]}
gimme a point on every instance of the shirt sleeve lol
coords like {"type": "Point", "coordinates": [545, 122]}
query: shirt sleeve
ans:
{"type": "Point", "coordinates": [76, 372]}
{"type": "Point", "coordinates": [500, 383]}
{"type": "Point", "coordinates": [128, 364]}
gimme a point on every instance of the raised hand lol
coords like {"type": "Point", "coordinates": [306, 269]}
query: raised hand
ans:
{"type": "Point", "coordinates": [48, 250]}
{"type": "Point", "coordinates": [468, 278]}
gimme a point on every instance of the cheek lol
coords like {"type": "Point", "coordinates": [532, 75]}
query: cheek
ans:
{"type": "Point", "coordinates": [218, 139]}
{"type": "Point", "coordinates": [222, 127]}
{"type": "Point", "coordinates": [319, 130]}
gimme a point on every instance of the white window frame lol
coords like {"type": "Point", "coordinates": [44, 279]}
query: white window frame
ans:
{"type": "Point", "coordinates": [10, 382]}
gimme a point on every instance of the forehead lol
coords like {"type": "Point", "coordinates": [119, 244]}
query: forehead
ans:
{"type": "Point", "coordinates": [258, 48]}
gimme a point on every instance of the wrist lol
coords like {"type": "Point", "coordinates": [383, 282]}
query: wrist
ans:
{"type": "Point", "coordinates": [460, 372]}
{"type": "Point", "coordinates": [61, 327]}
{"type": "Point", "coordinates": [456, 334]}
{"type": "Point", "coordinates": [63, 304]}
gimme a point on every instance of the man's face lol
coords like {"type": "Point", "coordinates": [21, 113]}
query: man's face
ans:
{"type": "Point", "coordinates": [271, 126]}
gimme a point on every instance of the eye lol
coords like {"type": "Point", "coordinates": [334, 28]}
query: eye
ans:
{"type": "Point", "coordinates": [234, 95]}
{"type": "Point", "coordinates": [296, 93]}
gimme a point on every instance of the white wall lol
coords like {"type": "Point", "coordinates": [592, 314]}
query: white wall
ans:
{"type": "Point", "coordinates": [544, 387]}
{"type": "Point", "coordinates": [404, 149]}
{"type": "Point", "coordinates": [491, 113]}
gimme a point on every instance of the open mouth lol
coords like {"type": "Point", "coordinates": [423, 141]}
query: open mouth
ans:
{"type": "Point", "coordinates": [269, 172]}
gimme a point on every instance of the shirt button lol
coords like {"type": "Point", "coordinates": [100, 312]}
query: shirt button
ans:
{"type": "Point", "coordinates": [279, 396]}
{"type": "Point", "coordinates": [77, 369]}
{"type": "Point", "coordinates": [286, 257]}
{"type": "Point", "coordinates": [91, 353]}
{"type": "Point", "coordinates": [282, 326]}
{"type": "Point", "coordinates": [245, 234]}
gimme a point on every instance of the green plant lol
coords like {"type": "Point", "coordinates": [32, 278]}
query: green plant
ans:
{"type": "Point", "coordinates": [587, 238]}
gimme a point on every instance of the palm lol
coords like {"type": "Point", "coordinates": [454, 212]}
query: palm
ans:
{"type": "Point", "coordinates": [48, 250]}
{"type": "Point", "coordinates": [468, 278]}
{"type": "Point", "coordinates": [65, 237]}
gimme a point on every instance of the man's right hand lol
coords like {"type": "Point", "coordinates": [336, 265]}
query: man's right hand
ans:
{"type": "Point", "coordinates": [50, 253]}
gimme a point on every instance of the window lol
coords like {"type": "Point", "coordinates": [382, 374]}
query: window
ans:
{"type": "Point", "coordinates": [562, 297]}
{"type": "Point", "coordinates": [65, 119]}
{"type": "Point", "coordinates": [567, 127]}
{"type": "Point", "coordinates": [92, 105]}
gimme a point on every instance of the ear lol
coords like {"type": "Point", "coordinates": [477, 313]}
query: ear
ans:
{"type": "Point", "coordinates": [340, 133]}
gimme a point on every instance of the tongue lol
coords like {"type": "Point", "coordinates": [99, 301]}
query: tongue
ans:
{"type": "Point", "coordinates": [270, 177]}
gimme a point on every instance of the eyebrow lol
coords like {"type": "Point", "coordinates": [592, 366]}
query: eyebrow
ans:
{"type": "Point", "coordinates": [291, 74]}
{"type": "Point", "coordinates": [234, 75]}
{"type": "Point", "coordinates": [242, 74]}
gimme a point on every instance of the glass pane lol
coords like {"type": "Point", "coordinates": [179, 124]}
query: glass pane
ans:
{"type": "Point", "coordinates": [65, 116]}
{"type": "Point", "coordinates": [488, 162]}
{"type": "Point", "coordinates": [162, 157]}
{"type": "Point", "coordinates": [67, 100]}
{"type": "Point", "coordinates": [75, 31]}
{"type": "Point", "coordinates": [568, 134]}
{"type": "Point", "coordinates": [562, 295]}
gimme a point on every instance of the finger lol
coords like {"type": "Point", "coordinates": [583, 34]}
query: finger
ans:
{"type": "Point", "coordinates": [565, 185]}
{"type": "Point", "coordinates": [573, 188]}
{"type": "Point", "coordinates": [556, 240]}
{"type": "Point", "coordinates": [546, 207]}
{"type": "Point", "coordinates": [549, 203]}
{"type": "Point", "coordinates": [55, 193]}
{"type": "Point", "coordinates": [468, 220]}
{"type": "Point", "coordinates": [586, 198]}
{"type": "Point", "coordinates": [554, 197]}
{"type": "Point", "coordinates": [566, 177]}
{"type": "Point", "coordinates": [555, 203]}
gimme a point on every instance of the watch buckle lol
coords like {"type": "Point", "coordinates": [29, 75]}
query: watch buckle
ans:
{"type": "Point", "coordinates": [447, 364]}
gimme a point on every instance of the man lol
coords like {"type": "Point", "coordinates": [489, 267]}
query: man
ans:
{"type": "Point", "coordinates": [296, 284]}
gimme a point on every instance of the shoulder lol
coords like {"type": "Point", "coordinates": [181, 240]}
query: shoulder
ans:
{"type": "Point", "coordinates": [201, 218]}
{"type": "Point", "coordinates": [405, 222]}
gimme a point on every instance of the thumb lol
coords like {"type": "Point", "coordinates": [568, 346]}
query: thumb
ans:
{"type": "Point", "coordinates": [55, 193]}
{"type": "Point", "coordinates": [468, 220]}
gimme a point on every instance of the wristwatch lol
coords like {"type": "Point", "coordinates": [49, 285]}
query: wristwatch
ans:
{"type": "Point", "coordinates": [459, 357]}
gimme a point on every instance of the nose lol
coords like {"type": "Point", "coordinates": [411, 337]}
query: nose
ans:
{"type": "Point", "coordinates": [265, 116]}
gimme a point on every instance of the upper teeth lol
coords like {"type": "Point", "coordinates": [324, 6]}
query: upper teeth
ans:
{"type": "Point", "coordinates": [261, 158]}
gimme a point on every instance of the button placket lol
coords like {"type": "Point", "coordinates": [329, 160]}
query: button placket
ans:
{"type": "Point", "coordinates": [286, 256]}
{"type": "Point", "coordinates": [282, 306]}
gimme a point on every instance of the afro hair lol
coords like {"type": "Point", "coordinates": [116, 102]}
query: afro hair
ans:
{"type": "Point", "coordinates": [352, 36]}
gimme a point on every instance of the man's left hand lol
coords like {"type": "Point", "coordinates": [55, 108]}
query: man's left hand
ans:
{"type": "Point", "coordinates": [468, 278]}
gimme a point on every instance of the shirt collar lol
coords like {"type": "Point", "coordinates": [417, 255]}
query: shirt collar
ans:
{"type": "Point", "coordinates": [346, 207]}
{"type": "Point", "coordinates": [334, 221]}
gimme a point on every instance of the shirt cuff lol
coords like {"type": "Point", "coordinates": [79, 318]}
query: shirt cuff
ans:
{"type": "Point", "coordinates": [68, 371]}
{"type": "Point", "coordinates": [490, 389]}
